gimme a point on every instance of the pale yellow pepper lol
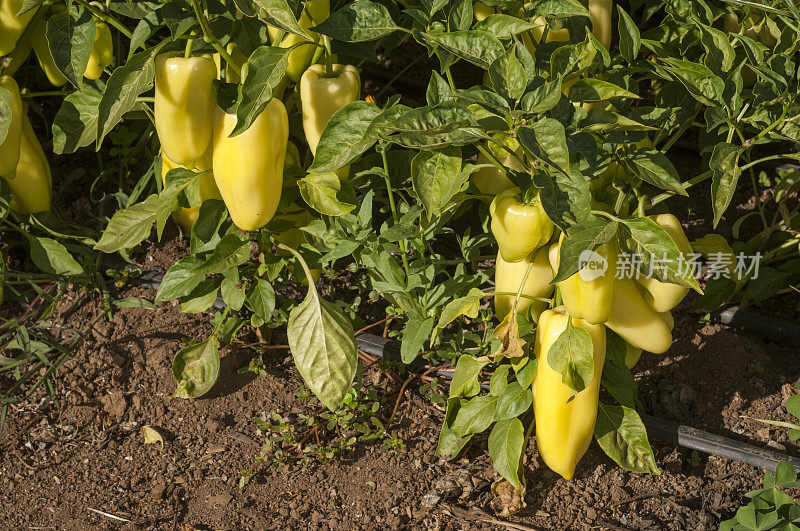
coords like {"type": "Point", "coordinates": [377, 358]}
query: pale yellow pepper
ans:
{"type": "Point", "coordinates": [314, 13]}
{"type": "Point", "coordinates": [635, 321]}
{"type": "Point", "coordinates": [12, 26]}
{"type": "Point", "coordinates": [664, 296]}
{"type": "Point", "coordinates": [9, 148]}
{"type": "Point", "coordinates": [102, 52]}
{"type": "Point", "coordinates": [508, 278]}
{"type": "Point", "coordinates": [632, 354]}
{"type": "Point", "coordinates": [564, 419]}
{"type": "Point", "coordinates": [32, 183]}
{"type": "Point", "coordinates": [187, 216]}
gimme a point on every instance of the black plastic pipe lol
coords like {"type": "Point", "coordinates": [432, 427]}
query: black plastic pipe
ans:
{"type": "Point", "coordinates": [661, 429]}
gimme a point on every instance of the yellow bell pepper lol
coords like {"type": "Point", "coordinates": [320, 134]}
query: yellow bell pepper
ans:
{"type": "Point", "coordinates": [321, 96]}
{"type": "Point", "coordinates": [599, 15]}
{"type": "Point", "coordinates": [31, 185]}
{"type": "Point", "coordinates": [519, 228]}
{"type": "Point", "coordinates": [492, 181]}
{"type": "Point", "coordinates": [664, 296]}
{"type": "Point", "coordinates": [315, 12]}
{"type": "Point", "coordinates": [248, 168]}
{"type": "Point", "coordinates": [564, 419]}
{"type": "Point", "coordinates": [480, 11]}
{"type": "Point", "coordinates": [632, 354]}
{"type": "Point", "coordinates": [11, 25]}
{"type": "Point", "coordinates": [187, 216]}
{"type": "Point", "coordinates": [184, 106]}
{"type": "Point", "coordinates": [635, 321]}
{"type": "Point", "coordinates": [9, 148]}
{"type": "Point", "coordinates": [42, 49]}
{"type": "Point", "coordinates": [589, 293]}
{"type": "Point", "coordinates": [508, 278]}
{"type": "Point", "coordinates": [102, 52]}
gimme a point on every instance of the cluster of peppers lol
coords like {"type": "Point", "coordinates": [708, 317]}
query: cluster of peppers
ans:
{"type": "Point", "coordinates": [637, 309]}
{"type": "Point", "coordinates": [246, 170]}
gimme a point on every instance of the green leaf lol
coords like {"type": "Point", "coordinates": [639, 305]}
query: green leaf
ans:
{"type": "Point", "coordinates": [724, 163]}
{"type": "Point", "coordinates": [698, 79]}
{"type": "Point", "coordinates": [720, 54]}
{"type": "Point", "coordinates": [231, 251]}
{"type": "Point", "coordinates": [622, 436]}
{"type": "Point", "coordinates": [504, 26]}
{"type": "Point", "coordinates": [451, 443]}
{"type": "Point", "coordinates": [475, 416]}
{"type": "Point", "coordinates": [52, 257]}
{"type": "Point", "coordinates": [232, 290]}
{"type": "Point", "coordinates": [278, 13]}
{"type": "Point", "coordinates": [177, 180]}
{"type": "Point", "coordinates": [629, 39]}
{"type": "Point", "coordinates": [506, 443]}
{"type": "Point", "coordinates": [129, 227]}
{"type": "Point", "coordinates": [513, 401]}
{"type": "Point", "coordinates": [70, 39]}
{"type": "Point", "coordinates": [480, 48]}
{"type": "Point", "coordinates": [179, 280]}
{"type": "Point", "coordinates": [542, 98]}
{"type": "Point", "coordinates": [566, 200]}
{"type": "Point", "coordinates": [589, 235]}
{"type": "Point", "coordinates": [75, 124]}
{"type": "Point", "coordinates": [653, 167]}
{"type": "Point", "coordinates": [207, 231]}
{"type": "Point", "coordinates": [5, 113]}
{"type": "Point", "coordinates": [327, 194]}
{"type": "Point", "coordinates": [650, 242]}
{"type": "Point", "coordinates": [561, 9]}
{"type": "Point", "coordinates": [572, 355]}
{"type": "Point", "coordinates": [508, 75]}
{"type": "Point", "coordinates": [202, 297]}
{"type": "Point", "coordinates": [437, 177]}
{"type": "Point", "coordinates": [264, 71]}
{"type": "Point", "coordinates": [593, 89]}
{"type": "Point", "coordinates": [551, 139]}
{"type": "Point", "coordinates": [468, 305]}
{"type": "Point", "coordinates": [348, 134]}
{"type": "Point", "coordinates": [358, 21]}
{"type": "Point", "coordinates": [125, 85]}
{"type": "Point", "coordinates": [619, 382]}
{"type": "Point", "coordinates": [196, 368]}
{"type": "Point", "coordinates": [323, 346]}
{"type": "Point", "coordinates": [262, 299]}
{"type": "Point", "coordinates": [499, 380]}
{"type": "Point", "coordinates": [415, 334]}
{"type": "Point", "coordinates": [134, 302]}
{"type": "Point", "coordinates": [466, 378]}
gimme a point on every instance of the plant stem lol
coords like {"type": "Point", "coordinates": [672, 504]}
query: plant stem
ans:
{"type": "Point", "coordinates": [106, 18]}
{"type": "Point", "coordinates": [211, 39]}
{"type": "Point", "coordinates": [395, 217]}
{"type": "Point", "coordinates": [44, 94]}
{"type": "Point", "coordinates": [187, 51]}
{"type": "Point", "coordinates": [691, 182]}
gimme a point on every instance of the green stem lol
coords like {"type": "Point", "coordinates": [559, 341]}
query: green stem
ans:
{"type": "Point", "coordinates": [793, 156]}
{"type": "Point", "coordinates": [107, 19]}
{"type": "Point", "coordinates": [393, 208]}
{"type": "Point", "coordinates": [691, 182]}
{"type": "Point", "coordinates": [303, 264]}
{"type": "Point", "coordinates": [450, 81]}
{"type": "Point", "coordinates": [187, 51]}
{"type": "Point", "coordinates": [44, 94]}
{"type": "Point", "coordinates": [211, 39]}
{"type": "Point", "coordinates": [519, 291]}
{"type": "Point", "coordinates": [328, 57]}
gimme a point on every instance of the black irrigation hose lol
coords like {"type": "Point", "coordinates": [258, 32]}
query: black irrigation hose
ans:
{"type": "Point", "coordinates": [661, 429]}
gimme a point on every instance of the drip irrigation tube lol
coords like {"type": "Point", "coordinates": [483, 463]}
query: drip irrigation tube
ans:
{"type": "Point", "coordinates": [664, 430]}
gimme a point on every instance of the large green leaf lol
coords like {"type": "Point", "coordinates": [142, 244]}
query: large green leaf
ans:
{"type": "Point", "coordinates": [622, 436]}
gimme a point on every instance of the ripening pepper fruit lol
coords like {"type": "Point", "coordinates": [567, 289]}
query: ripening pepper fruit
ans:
{"type": "Point", "coordinates": [664, 296]}
{"type": "Point", "coordinates": [9, 148]}
{"type": "Point", "coordinates": [635, 321]}
{"type": "Point", "coordinates": [102, 52]}
{"type": "Point", "coordinates": [187, 216]}
{"type": "Point", "coordinates": [31, 185]}
{"type": "Point", "coordinates": [492, 181]}
{"type": "Point", "coordinates": [12, 26]}
{"type": "Point", "coordinates": [248, 168]}
{"type": "Point", "coordinates": [519, 228]}
{"type": "Point", "coordinates": [599, 15]}
{"type": "Point", "coordinates": [184, 106]}
{"type": "Point", "coordinates": [481, 11]}
{"type": "Point", "coordinates": [322, 95]}
{"type": "Point", "coordinates": [11, 63]}
{"type": "Point", "coordinates": [589, 293]}
{"type": "Point", "coordinates": [632, 354]}
{"type": "Point", "coordinates": [42, 49]}
{"type": "Point", "coordinates": [314, 13]}
{"type": "Point", "coordinates": [564, 419]}
{"type": "Point", "coordinates": [508, 278]}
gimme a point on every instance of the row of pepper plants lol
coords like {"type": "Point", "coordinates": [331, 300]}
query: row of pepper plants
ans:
{"type": "Point", "coordinates": [277, 169]}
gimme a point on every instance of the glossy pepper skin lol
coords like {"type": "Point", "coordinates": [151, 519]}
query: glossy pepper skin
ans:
{"type": "Point", "coordinates": [632, 354]}
{"type": "Point", "coordinates": [519, 228]}
{"type": "Point", "coordinates": [11, 63]}
{"type": "Point", "coordinates": [664, 296]}
{"type": "Point", "coordinates": [248, 168]}
{"type": "Point", "coordinates": [588, 294]}
{"type": "Point", "coordinates": [102, 52]}
{"type": "Point", "coordinates": [492, 181]}
{"type": "Point", "coordinates": [315, 12]}
{"type": "Point", "coordinates": [32, 183]}
{"type": "Point", "coordinates": [187, 216]}
{"type": "Point", "coordinates": [508, 278]}
{"type": "Point", "coordinates": [480, 11]}
{"type": "Point", "coordinates": [635, 321]}
{"type": "Point", "coordinates": [11, 25]}
{"type": "Point", "coordinates": [322, 96]}
{"type": "Point", "coordinates": [184, 106]}
{"type": "Point", "coordinates": [42, 49]}
{"type": "Point", "coordinates": [9, 148]}
{"type": "Point", "coordinates": [564, 426]}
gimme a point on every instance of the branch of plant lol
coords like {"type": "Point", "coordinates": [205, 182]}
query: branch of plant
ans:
{"type": "Point", "coordinates": [211, 39]}
{"type": "Point", "coordinates": [105, 17]}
